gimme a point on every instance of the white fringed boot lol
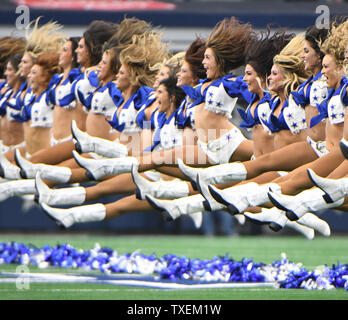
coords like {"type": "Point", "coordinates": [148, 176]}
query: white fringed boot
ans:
{"type": "Point", "coordinates": [61, 196]}
{"type": "Point", "coordinates": [98, 168]}
{"type": "Point", "coordinates": [106, 148]}
{"type": "Point", "coordinates": [67, 217]}
{"type": "Point", "coordinates": [173, 209]}
{"type": "Point", "coordinates": [277, 219]}
{"type": "Point", "coordinates": [161, 189]}
{"type": "Point", "coordinates": [310, 200]}
{"type": "Point", "coordinates": [28, 170]}
{"type": "Point", "coordinates": [217, 174]}
{"type": "Point", "coordinates": [17, 188]}
{"type": "Point", "coordinates": [334, 189]}
{"type": "Point", "coordinates": [8, 170]}
{"type": "Point", "coordinates": [239, 198]}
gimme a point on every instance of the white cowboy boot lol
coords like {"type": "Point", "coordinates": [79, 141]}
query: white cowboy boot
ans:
{"type": "Point", "coordinates": [238, 198]}
{"type": "Point", "coordinates": [210, 204]}
{"type": "Point", "coordinates": [61, 196]}
{"type": "Point", "coordinates": [334, 189]}
{"type": "Point", "coordinates": [217, 174]}
{"type": "Point", "coordinates": [197, 218]}
{"type": "Point", "coordinates": [85, 143]}
{"type": "Point", "coordinates": [306, 231]}
{"type": "Point", "coordinates": [161, 189]}
{"type": "Point", "coordinates": [173, 209]}
{"type": "Point", "coordinates": [67, 217]}
{"type": "Point", "coordinates": [277, 219]}
{"type": "Point", "coordinates": [16, 188]}
{"type": "Point", "coordinates": [28, 170]}
{"type": "Point", "coordinates": [310, 200]}
{"type": "Point", "coordinates": [276, 222]}
{"type": "Point", "coordinates": [98, 168]}
{"type": "Point", "coordinates": [8, 170]}
{"type": "Point", "coordinates": [240, 218]}
{"type": "Point", "coordinates": [310, 220]}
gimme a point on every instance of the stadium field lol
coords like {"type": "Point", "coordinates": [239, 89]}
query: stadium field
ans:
{"type": "Point", "coordinates": [265, 249]}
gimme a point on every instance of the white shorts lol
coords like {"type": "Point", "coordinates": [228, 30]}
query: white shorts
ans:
{"type": "Point", "coordinates": [220, 150]}
{"type": "Point", "coordinates": [153, 175]}
{"type": "Point", "coordinates": [4, 148]}
{"type": "Point", "coordinates": [55, 141]}
{"type": "Point", "coordinates": [318, 147]}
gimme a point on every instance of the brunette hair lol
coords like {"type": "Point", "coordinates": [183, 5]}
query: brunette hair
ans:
{"type": "Point", "coordinates": [316, 37]}
{"type": "Point", "coordinates": [10, 46]}
{"type": "Point", "coordinates": [74, 44]}
{"type": "Point", "coordinates": [229, 41]}
{"type": "Point", "coordinates": [262, 51]}
{"type": "Point", "coordinates": [194, 56]}
{"type": "Point", "coordinates": [96, 35]}
{"type": "Point", "coordinates": [173, 90]}
{"type": "Point", "coordinates": [49, 63]}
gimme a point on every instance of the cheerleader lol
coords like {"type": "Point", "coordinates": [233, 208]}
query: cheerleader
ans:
{"type": "Point", "coordinates": [86, 83]}
{"type": "Point", "coordinates": [60, 93]}
{"type": "Point", "coordinates": [133, 80]}
{"type": "Point", "coordinates": [190, 73]}
{"type": "Point", "coordinates": [298, 207]}
{"type": "Point", "coordinates": [169, 96]}
{"type": "Point", "coordinates": [12, 131]}
{"type": "Point", "coordinates": [228, 143]}
{"type": "Point", "coordinates": [309, 95]}
{"type": "Point", "coordinates": [194, 203]}
{"type": "Point", "coordinates": [40, 40]}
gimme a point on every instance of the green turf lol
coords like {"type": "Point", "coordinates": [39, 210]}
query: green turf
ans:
{"type": "Point", "coordinates": [265, 249]}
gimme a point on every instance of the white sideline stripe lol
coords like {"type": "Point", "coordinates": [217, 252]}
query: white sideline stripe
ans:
{"type": "Point", "coordinates": [67, 278]}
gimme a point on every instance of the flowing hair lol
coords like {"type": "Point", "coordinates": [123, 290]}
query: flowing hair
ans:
{"type": "Point", "coordinates": [262, 51]}
{"type": "Point", "coordinates": [194, 56]}
{"type": "Point", "coordinates": [143, 57]}
{"type": "Point", "coordinates": [43, 39]}
{"type": "Point", "coordinates": [10, 46]}
{"type": "Point", "coordinates": [336, 41]}
{"type": "Point", "coordinates": [290, 62]}
{"type": "Point", "coordinates": [229, 41]}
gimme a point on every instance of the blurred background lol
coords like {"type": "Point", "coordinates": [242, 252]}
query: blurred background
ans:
{"type": "Point", "coordinates": [180, 21]}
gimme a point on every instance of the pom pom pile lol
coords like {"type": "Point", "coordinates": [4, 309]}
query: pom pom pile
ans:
{"type": "Point", "coordinates": [282, 273]}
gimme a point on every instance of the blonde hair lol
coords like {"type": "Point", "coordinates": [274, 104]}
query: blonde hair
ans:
{"type": "Point", "coordinates": [45, 38]}
{"type": "Point", "coordinates": [126, 30]}
{"type": "Point", "coordinates": [173, 62]}
{"type": "Point", "coordinates": [143, 56]}
{"type": "Point", "coordinates": [336, 42]}
{"type": "Point", "coordinates": [291, 64]}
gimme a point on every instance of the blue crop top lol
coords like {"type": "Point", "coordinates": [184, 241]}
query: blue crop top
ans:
{"type": "Point", "coordinates": [12, 107]}
{"type": "Point", "coordinates": [60, 93]}
{"type": "Point", "coordinates": [84, 86]}
{"type": "Point", "coordinates": [39, 110]}
{"type": "Point", "coordinates": [333, 107]}
{"type": "Point", "coordinates": [105, 99]}
{"type": "Point", "coordinates": [185, 116]}
{"type": "Point", "coordinates": [222, 94]}
{"type": "Point", "coordinates": [167, 135]}
{"type": "Point", "coordinates": [262, 111]}
{"type": "Point", "coordinates": [291, 117]}
{"type": "Point", "coordinates": [125, 120]}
